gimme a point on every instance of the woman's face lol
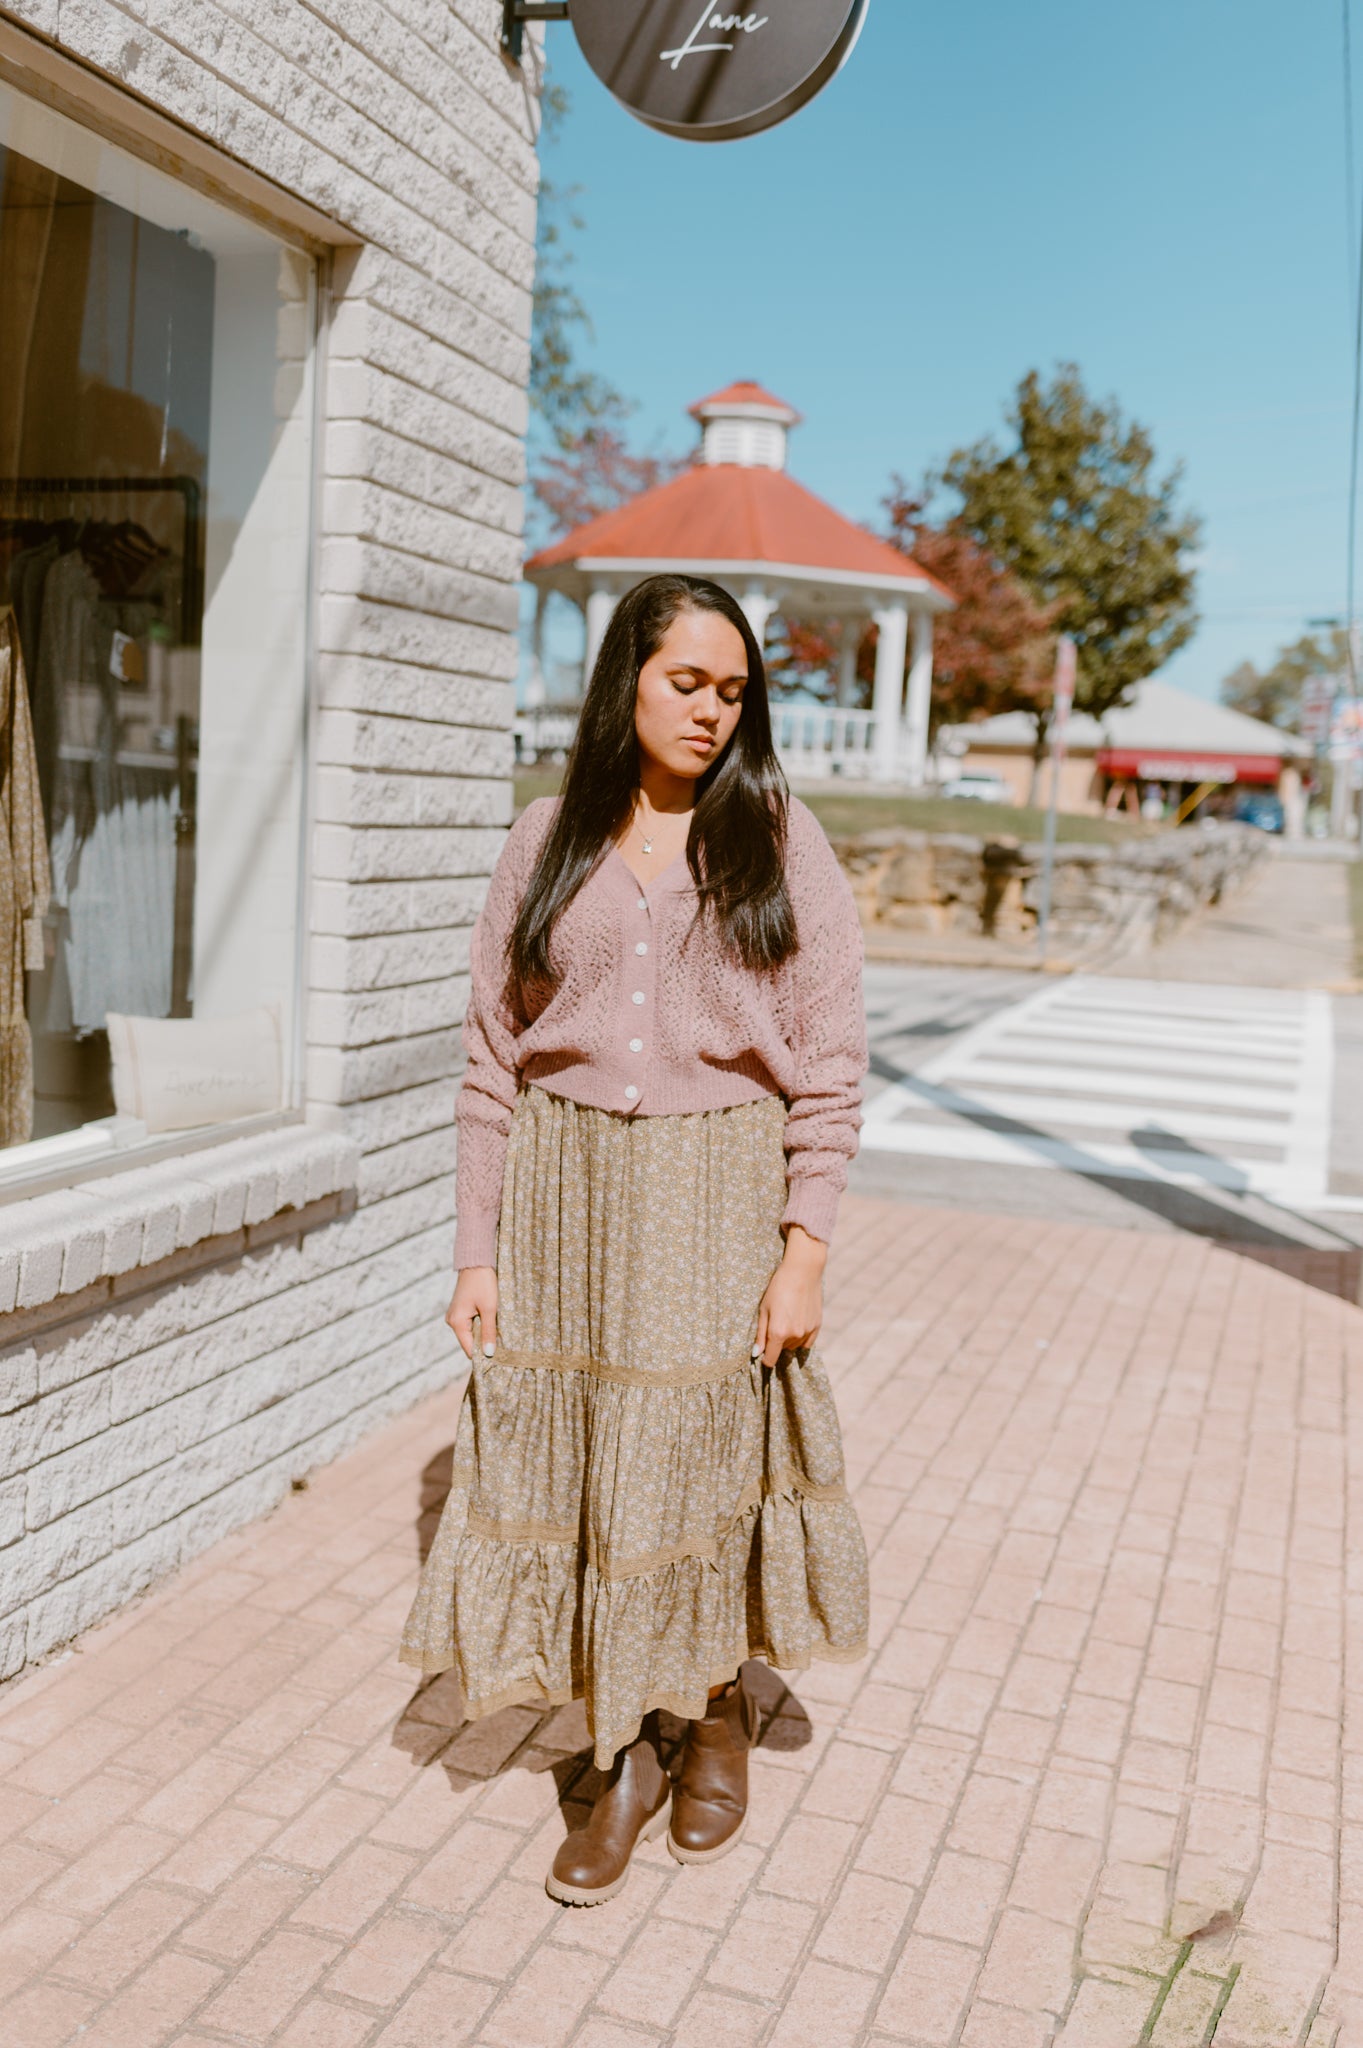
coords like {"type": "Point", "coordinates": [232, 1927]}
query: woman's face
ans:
{"type": "Point", "coordinates": [691, 693]}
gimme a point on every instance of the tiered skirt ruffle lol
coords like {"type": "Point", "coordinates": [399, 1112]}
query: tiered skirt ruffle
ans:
{"type": "Point", "coordinates": [637, 1506]}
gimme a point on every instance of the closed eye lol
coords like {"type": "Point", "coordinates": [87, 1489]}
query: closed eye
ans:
{"type": "Point", "coordinates": [730, 693]}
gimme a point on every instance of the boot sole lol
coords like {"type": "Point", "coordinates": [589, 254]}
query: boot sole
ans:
{"type": "Point", "coordinates": [709, 1855]}
{"type": "Point", "coordinates": [597, 1895]}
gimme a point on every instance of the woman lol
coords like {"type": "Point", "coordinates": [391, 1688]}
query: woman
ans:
{"type": "Point", "coordinates": [666, 1043]}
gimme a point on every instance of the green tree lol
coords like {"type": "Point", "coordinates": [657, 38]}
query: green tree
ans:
{"type": "Point", "coordinates": [1274, 693]}
{"type": "Point", "coordinates": [1075, 510]}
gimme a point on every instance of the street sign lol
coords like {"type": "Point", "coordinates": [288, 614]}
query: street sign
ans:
{"type": "Point", "coordinates": [710, 73]}
{"type": "Point", "coordinates": [1317, 708]}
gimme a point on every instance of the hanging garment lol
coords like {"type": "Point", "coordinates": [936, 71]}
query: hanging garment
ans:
{"type": "Point", "coordinates": [113, 820]}
{"type": "Point", "coordinates": [113, 862]}
{"type": "Point", "coordinates": [24, 886]}
{"type": "Point", "coordinates": [27, 577]}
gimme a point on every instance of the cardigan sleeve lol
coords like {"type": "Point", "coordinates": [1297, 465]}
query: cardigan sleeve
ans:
{"type": "Point", "coordinates": [487, 1097]}
{"type": "Point", "coordinates": [829, 1034]}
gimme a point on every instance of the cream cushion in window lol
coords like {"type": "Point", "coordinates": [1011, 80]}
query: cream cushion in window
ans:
{"type": "Point", "coordinates": [176, 1072]}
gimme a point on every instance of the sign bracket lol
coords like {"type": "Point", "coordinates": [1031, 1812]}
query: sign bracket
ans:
{"type": "Point", "coordinates": [515, 14]}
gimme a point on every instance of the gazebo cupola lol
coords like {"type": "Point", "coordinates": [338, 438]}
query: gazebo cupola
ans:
{"type": "Point", "coordinates": [744, 424]}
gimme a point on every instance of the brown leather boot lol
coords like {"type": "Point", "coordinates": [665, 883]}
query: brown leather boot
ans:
{"type": "Point", "coordinates": [592, 1865]}
{"type": "Point", "coordinates": [710, 1803]}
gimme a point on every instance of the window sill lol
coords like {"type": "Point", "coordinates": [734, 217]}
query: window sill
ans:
{"type": "Point", "coordinates": [63, 1244]}
{"type": "Point", "coordinates": [95, 1151]}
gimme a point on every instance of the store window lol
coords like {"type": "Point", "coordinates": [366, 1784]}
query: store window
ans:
{"type": "Point", "coordinates": [156, 359]}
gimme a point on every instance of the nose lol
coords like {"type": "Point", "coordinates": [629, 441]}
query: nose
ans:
{"type": "Point", "coordinates": [705, 706]}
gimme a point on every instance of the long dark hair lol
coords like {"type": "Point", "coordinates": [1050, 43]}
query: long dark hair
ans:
{"type": "Point", "coordinates": [736, 844]}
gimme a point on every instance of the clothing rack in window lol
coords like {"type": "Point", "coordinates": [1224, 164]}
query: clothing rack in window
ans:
{"type": "Point", "coordinates": [91, 486]}
{"type": "Point", "coordinates": [186, 827]}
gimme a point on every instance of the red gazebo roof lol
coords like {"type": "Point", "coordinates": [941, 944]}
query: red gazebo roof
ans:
{"type": "Point", "coordinates": [735, 515]}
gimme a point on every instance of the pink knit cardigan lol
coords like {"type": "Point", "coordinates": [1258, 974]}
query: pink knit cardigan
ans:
{"type": "Point", "coordinates": [651, 1018]}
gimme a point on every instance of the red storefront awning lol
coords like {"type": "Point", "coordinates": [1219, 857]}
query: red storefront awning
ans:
{"type": "Point", "coordinates": [1147, 766]}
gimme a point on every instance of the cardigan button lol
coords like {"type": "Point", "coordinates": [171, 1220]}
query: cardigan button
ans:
{"type": "Point", "coordinates": [636, 1045]}
{"type": "Point", "coordinates": [631, 1093]}
{"type": "Point", "coordinates": [641, 946]}
{"type": "Point", "coordinates": [638, 996]}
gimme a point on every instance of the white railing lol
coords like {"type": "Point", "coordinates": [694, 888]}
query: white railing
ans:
{"type": "Point", "coordinates": [814, 741]}
{"type": "Point", "coordinates": [817, 740]}
{"type": "Point", "coordinates": [543, 731]}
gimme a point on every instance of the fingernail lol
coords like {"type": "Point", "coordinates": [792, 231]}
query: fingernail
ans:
{"type": "Point", "coordinates": [757, 1351]}
{"type": "Point", "coordinates": [488, 1350]}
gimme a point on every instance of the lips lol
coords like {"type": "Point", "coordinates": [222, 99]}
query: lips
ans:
{"type": "Point", "coordinates": [701, 745]}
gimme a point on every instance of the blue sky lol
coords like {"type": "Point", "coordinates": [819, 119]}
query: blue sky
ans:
{"type": "Point", "coordinates": [1156, 194]}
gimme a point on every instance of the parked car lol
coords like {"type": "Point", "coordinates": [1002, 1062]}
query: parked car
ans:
{"type": "Point", "coordinates": [979, 786]}
{"type": "Point", "coordinates": [1261, 809]}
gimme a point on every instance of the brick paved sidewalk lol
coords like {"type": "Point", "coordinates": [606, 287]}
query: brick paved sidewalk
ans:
{"type": "Point", "coordinates": [1100, 1783]}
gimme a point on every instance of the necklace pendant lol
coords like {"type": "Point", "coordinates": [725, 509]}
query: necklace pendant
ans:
{"type": "Point", "coordinates": [648, 846]}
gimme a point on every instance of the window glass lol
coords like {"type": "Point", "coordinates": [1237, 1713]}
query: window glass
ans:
{"type": "Point", "coordinates": [155, 475]}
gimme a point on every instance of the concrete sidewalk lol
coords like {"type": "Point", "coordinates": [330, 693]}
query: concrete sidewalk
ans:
{"type": "Point", "coordinates": [1289, 927]}
{"type": "Point", "coordinates": [1101, 1783]}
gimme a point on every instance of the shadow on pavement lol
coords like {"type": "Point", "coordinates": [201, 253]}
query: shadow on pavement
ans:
{"type": "Point", "coordinates": [1335, 1268]}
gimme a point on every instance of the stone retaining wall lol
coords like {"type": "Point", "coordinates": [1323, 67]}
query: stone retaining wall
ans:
{"type": "Point", "coordinates": [1105, 898]}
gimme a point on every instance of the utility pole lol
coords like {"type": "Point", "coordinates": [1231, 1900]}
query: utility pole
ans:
{"type": "Point", "coordinates": [1345, 740]}
{"type": "Point", "coordinates": [1062, 699]}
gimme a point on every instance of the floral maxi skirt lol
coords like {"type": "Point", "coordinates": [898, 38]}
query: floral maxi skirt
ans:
{"type": "Point", "coordinates": [637, 1505]}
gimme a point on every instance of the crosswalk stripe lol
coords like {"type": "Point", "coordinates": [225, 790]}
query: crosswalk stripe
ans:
{"type": "Point", "coordinates": [1180, 1123]}
{"type": "Point", "coordinates": [1127, 1081]}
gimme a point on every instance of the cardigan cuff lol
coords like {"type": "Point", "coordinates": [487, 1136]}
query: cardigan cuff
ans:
{"type": "Point", "coordinates": [475, 1238]}
{"type": "Point", "coordinates": [813, 1204]}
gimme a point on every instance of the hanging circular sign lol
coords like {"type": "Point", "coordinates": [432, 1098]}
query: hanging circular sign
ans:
{"type": "Point", "coordinates": [710, 74]}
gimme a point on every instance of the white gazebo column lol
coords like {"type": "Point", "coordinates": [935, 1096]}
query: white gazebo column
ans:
{"type": "Point", "coordinates": [759, 604]}
{"type": "Point", "coordinates": [892, 626]}
{"type": "Point", "coordinates": [920, 700]}
{"type": "Point", "coordinates": [600, 604]}
{"type": "Point", "coordinates": [535, 692]}
{"type": "Point", "coordinates": [847, 663]}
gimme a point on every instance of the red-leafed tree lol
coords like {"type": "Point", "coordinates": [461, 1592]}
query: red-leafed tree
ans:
{"type": "Point", "coordinates": [992, 653]}
{"type": "Point", "coordinates": [593, 473]}
{"type": "Point", "coordinates": [995, 651]}
{"type": "Point", "coordinates": [800, 656]}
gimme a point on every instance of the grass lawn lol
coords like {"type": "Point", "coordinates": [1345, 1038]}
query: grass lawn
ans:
{"type": "Point", "coordinates": [843, 814]}
{"type": "Point", "coordinates": [533, 782]}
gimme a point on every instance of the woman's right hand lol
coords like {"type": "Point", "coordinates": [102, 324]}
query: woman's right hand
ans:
{"type": "Point", "coordinates": [475, 1294]}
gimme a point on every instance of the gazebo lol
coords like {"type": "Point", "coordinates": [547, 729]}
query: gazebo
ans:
{"type": "Point", "coordinates": [737, 515]}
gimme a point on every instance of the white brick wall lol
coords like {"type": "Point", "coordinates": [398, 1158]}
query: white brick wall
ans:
{"type": "Point", "coordinates": [140, 1424]}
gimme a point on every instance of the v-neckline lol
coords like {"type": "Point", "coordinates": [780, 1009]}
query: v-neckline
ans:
{"type": "Point", "coordinates": [646, 886]}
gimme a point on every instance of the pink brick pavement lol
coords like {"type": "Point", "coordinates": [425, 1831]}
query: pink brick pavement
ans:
{"type": "Point", "coordinates": [1098, 1784]}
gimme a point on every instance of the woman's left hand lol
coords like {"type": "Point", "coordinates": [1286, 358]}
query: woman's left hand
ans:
{"type": "Point", "coordinates": [792, 1307]}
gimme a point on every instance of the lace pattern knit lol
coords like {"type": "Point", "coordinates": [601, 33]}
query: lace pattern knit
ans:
{"type": "Point", "coordinates": [637, 971]}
